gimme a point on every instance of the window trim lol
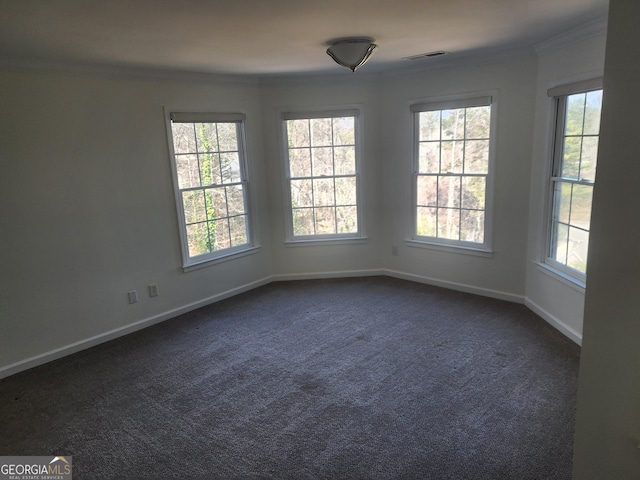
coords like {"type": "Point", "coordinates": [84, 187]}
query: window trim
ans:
{"type": "Point", "coordinates": [557, 109]}
{"type": "Point", "coordinates": [355, 111]}
{"type": "Point", "coordinates": [190, 263]}
{"type": "Point", "coordinates": [484, 98]}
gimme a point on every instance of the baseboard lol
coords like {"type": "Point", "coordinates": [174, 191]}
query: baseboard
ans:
{"type": "Point", "coordinates": [333, 274]}
{"type": "Point", "coordinates": [461, 287]}
{"type": "Point", "coordinates": [57, 353]}
{"type": "Point", "coordinates": [554, 321]}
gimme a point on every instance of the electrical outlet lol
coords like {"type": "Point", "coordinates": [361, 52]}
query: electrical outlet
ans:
{"type": "Point", "coordinates": [153, 290]}
{"type": "Point", "coordinates": [133, 296]}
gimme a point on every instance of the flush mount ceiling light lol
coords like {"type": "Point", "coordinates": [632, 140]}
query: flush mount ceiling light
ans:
{"type": "Point", "coordinates": [351, 53]}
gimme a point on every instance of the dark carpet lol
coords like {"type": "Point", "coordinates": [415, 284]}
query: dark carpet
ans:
{"type": "Point", "coordinates": [366, 378]}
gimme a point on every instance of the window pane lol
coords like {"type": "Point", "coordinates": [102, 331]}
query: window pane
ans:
{"type": "Point", "coordinates": [449, 223]}
{"type": "Point", "coordinates": [473, 192]}
{"type": "Point", "coordinates": [220, 229]}
{"type": "Point", "coordinates": [578, 248]}
{"type": "Point", "coordinates": [562, 209]}
{"type": "Point", "coordinates": [346, 191]}
{"type": "Point", "coordinates": [345, 160]}
{"type": "Point", "coordinates": [235, 200]}
{"type": "Point", "coordinates": [325, 220]}
{"type": "Point", "coordinates": [194, 207]}
{"type": "Point", "coordinates": [303, 221]}
{"type": "Point", "coordinates": [472, 226]}
{"type": "Point", "coordinates": [559, 242]}
{"type": "Point", "coordinates": [301, 193]}
{"type": "Point", "coordinates": [216, 203]}
{"type": "Point", "coordinates": [429, 157]}
{"type": "Point", "coordinates": [320, 132]}
{"type": "Point", "coordinates": [344, 131]}
{"type": "Point", "coordinates": [300, 162]}
{"type": "Point", "coordinates": [426, 222]}
{"type": "Point", "coordinates": [184, 138]}
{"type": "Point", "coordinates": [575, 114]}
{"type": "Point", "coordinates": [429, 125]}
{"type": "Point", "coordinates": [206, 137]}
{"type": "Point", "coordinates": [453, 124]}
{"type": "Point", "coordinates": [478, 122]}
{"type": "Point", "coordinates": [476, 156]}
{"type": "Point", "coordinates": [188, 171]}
{"type": "Point", "coordinates": [449, 192]}
{"type": "Point", "coordinates": [198, 240]}
{"type": "Point", "coordinates": [230, 167]}
{"type": "Point", "coordinates": [581, 206]}
{"type": "Point", "coordinates": [427, 190]}
{"type": "Point", "coordinates": [298, 133]}
{"type": "Point", "coordinates": [238, 227]}
{"type": "Point", "coordinates": [347, 219]}
{"type": "Point", "coordinates": [571, 157]}
{"type": "Point", "coordinates": [593, 108]}
{"type": "Point", "coordinates": [322, 160]}
{"type": "Point", "coordinates": [227, 137]}
{"type": "Point", "coordinates": [209, 168]}
{"type": "Point", "coordinates": [589, 158]}
{"type": "Point", "coordinates": [323, 191]}
{"type": "Point", "coordinates": [451, 156]}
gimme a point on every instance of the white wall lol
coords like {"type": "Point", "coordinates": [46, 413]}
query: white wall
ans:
{"type": "Point", "coordinates": [513, 79]}
{"type": "Point", "coordinates": [308, 93]}
{"type": "Point", "coordinates": [607, 436]}
{"type": "Point", "coordinates": [558, 301]}
{"type": "Point", "coordinates": [88, 209]}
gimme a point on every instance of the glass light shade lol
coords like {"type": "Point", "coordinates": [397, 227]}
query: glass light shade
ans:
{"type": "Point", "coordinates": [351, 54]}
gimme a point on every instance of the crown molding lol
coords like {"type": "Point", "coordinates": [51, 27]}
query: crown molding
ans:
{"type": "Point", "coordinates": [120, 71]}
{"type": "Point", "coordinates": [591, 29]}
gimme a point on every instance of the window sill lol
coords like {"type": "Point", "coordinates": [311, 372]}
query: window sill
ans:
{"type": "Point", "coordinates": [479, 252]}
{"type": "Point", "coordinates": [562, 277]}
{"type": "Point", "coordinates": [222, 258]}
{"type": "Point", "coordinates": [326, 241]}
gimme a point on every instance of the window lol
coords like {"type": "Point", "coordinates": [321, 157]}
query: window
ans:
{"type": "Point", "coordinates": [322, 175]}
{"type": "Point", "coordinates": [210, 184]}
{"type": "Point", "coordinates": [573, 175]}
{"type": "Point", "coordinates": [452, 163]}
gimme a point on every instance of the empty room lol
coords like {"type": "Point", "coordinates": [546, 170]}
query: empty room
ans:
{"type": "Point", "coordinates": [289, 239]}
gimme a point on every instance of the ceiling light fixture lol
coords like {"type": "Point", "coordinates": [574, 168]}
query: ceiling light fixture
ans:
{"type": "Point", "coordinates": [351, 53]}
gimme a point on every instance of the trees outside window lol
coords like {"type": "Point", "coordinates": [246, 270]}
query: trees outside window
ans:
{"type": "Point", "coordinates": [322, 174]}
{"type": "Point", "coordinates": [572, 179]}
{"type": "Point", "coordinates": [210, 182]}
{"type": "Point", "coordinates": [451, 172]}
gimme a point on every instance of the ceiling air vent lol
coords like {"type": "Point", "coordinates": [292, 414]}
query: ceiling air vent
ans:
{"type": "Point", "coordinates": [425, 55]}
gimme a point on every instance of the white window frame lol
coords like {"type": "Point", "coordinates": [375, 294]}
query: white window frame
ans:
{"type": "Point", "coordinates": [438, 243]}
{"type": "Point", "coordinates": [198, 261]}
{"type": "Point", "coordinates": [558, 96]}
{"type": "Point", "coordinates": [336, 238]}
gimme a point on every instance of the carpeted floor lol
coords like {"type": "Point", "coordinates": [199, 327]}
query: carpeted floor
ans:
{"type": "Point", "coordinates": [368, 378]}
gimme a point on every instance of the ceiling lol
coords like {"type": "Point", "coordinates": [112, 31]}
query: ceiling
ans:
{"type": "Point", "coordinates": [273, 37]}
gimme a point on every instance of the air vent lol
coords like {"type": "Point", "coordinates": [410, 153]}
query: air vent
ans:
{"type": "Point", "coordinates": [425, 55]}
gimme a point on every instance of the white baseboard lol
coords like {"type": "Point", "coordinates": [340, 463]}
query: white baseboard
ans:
{"type": "Point", "coordinates": [554, 321]}
{"type": "Point", "coordinates": [461, 287]}
{"type": "Point", "coordinates": [51, 355]}
{"type": "Point", "coordinates": [334, 274]}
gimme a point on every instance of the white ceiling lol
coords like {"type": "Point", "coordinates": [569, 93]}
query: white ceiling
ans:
{"type": "Point", "coordinates": [273, 36]}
